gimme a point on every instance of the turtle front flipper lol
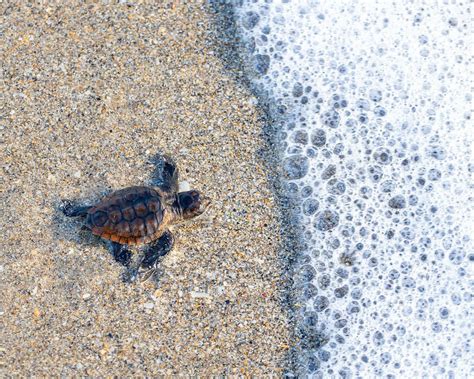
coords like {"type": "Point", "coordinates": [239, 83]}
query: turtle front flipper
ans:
{"type": "Point", "coordinates": [169, 175]}
{"type": "Point", "coordinates": [154, 254]}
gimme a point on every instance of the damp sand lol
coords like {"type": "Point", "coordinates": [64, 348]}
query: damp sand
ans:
{"type": "Point", "coordinates": [90, 94]}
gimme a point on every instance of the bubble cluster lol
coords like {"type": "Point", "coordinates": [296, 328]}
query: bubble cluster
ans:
{"type": "Point", "coordinates": [374, 102]}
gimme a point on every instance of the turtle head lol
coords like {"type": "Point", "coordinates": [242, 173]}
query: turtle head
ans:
{"type": "Point", "coordinates": [190, 204]}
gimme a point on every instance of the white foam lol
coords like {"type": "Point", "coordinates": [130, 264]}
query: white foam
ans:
{"type": "Point", "coordinates": [374, 99]}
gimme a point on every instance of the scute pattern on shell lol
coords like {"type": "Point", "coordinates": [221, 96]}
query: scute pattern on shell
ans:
{"type": "Point", "coordinates": [130, 216]}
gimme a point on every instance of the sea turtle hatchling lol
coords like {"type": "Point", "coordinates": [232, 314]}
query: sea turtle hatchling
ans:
{"type": "Point", "coordinates": [141, 216]}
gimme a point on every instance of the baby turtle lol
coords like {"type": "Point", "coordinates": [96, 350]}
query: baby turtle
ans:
{"type": "Point", "coordinates": [141, 216]}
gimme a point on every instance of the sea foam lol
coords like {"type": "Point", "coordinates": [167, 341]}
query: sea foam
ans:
{"type": "Point", "coordinates": [374, 101]}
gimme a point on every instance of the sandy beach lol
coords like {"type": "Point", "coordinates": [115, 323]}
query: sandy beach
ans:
{"type": "Point", "coordinates": [90, 94]}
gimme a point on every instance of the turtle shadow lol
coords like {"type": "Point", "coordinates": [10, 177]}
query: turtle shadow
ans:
{"type": "Point", "coordinates": [72, 250]}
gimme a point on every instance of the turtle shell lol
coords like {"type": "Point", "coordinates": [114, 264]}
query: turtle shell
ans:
{"type": "Point", "coordinates": [131, 216]}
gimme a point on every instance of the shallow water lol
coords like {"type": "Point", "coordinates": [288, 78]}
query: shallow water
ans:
{"type": "Point", "coordinates": [373, 101]}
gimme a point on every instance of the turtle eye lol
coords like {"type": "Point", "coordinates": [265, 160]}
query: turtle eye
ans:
{"type": "Point", "coordinates": [187, 201]}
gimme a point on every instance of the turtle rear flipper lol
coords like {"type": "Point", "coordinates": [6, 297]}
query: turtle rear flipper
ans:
{"type": "Point", "coordinates": [70, 209]}
{"type": "Point", "coordinates": [121, 254]}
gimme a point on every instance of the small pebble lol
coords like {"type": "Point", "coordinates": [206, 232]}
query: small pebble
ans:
{"type": "Point", "coordinates": [199, 295]}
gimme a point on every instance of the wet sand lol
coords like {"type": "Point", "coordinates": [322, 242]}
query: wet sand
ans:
{"type": "Point", "coordinates": [90, 94]}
